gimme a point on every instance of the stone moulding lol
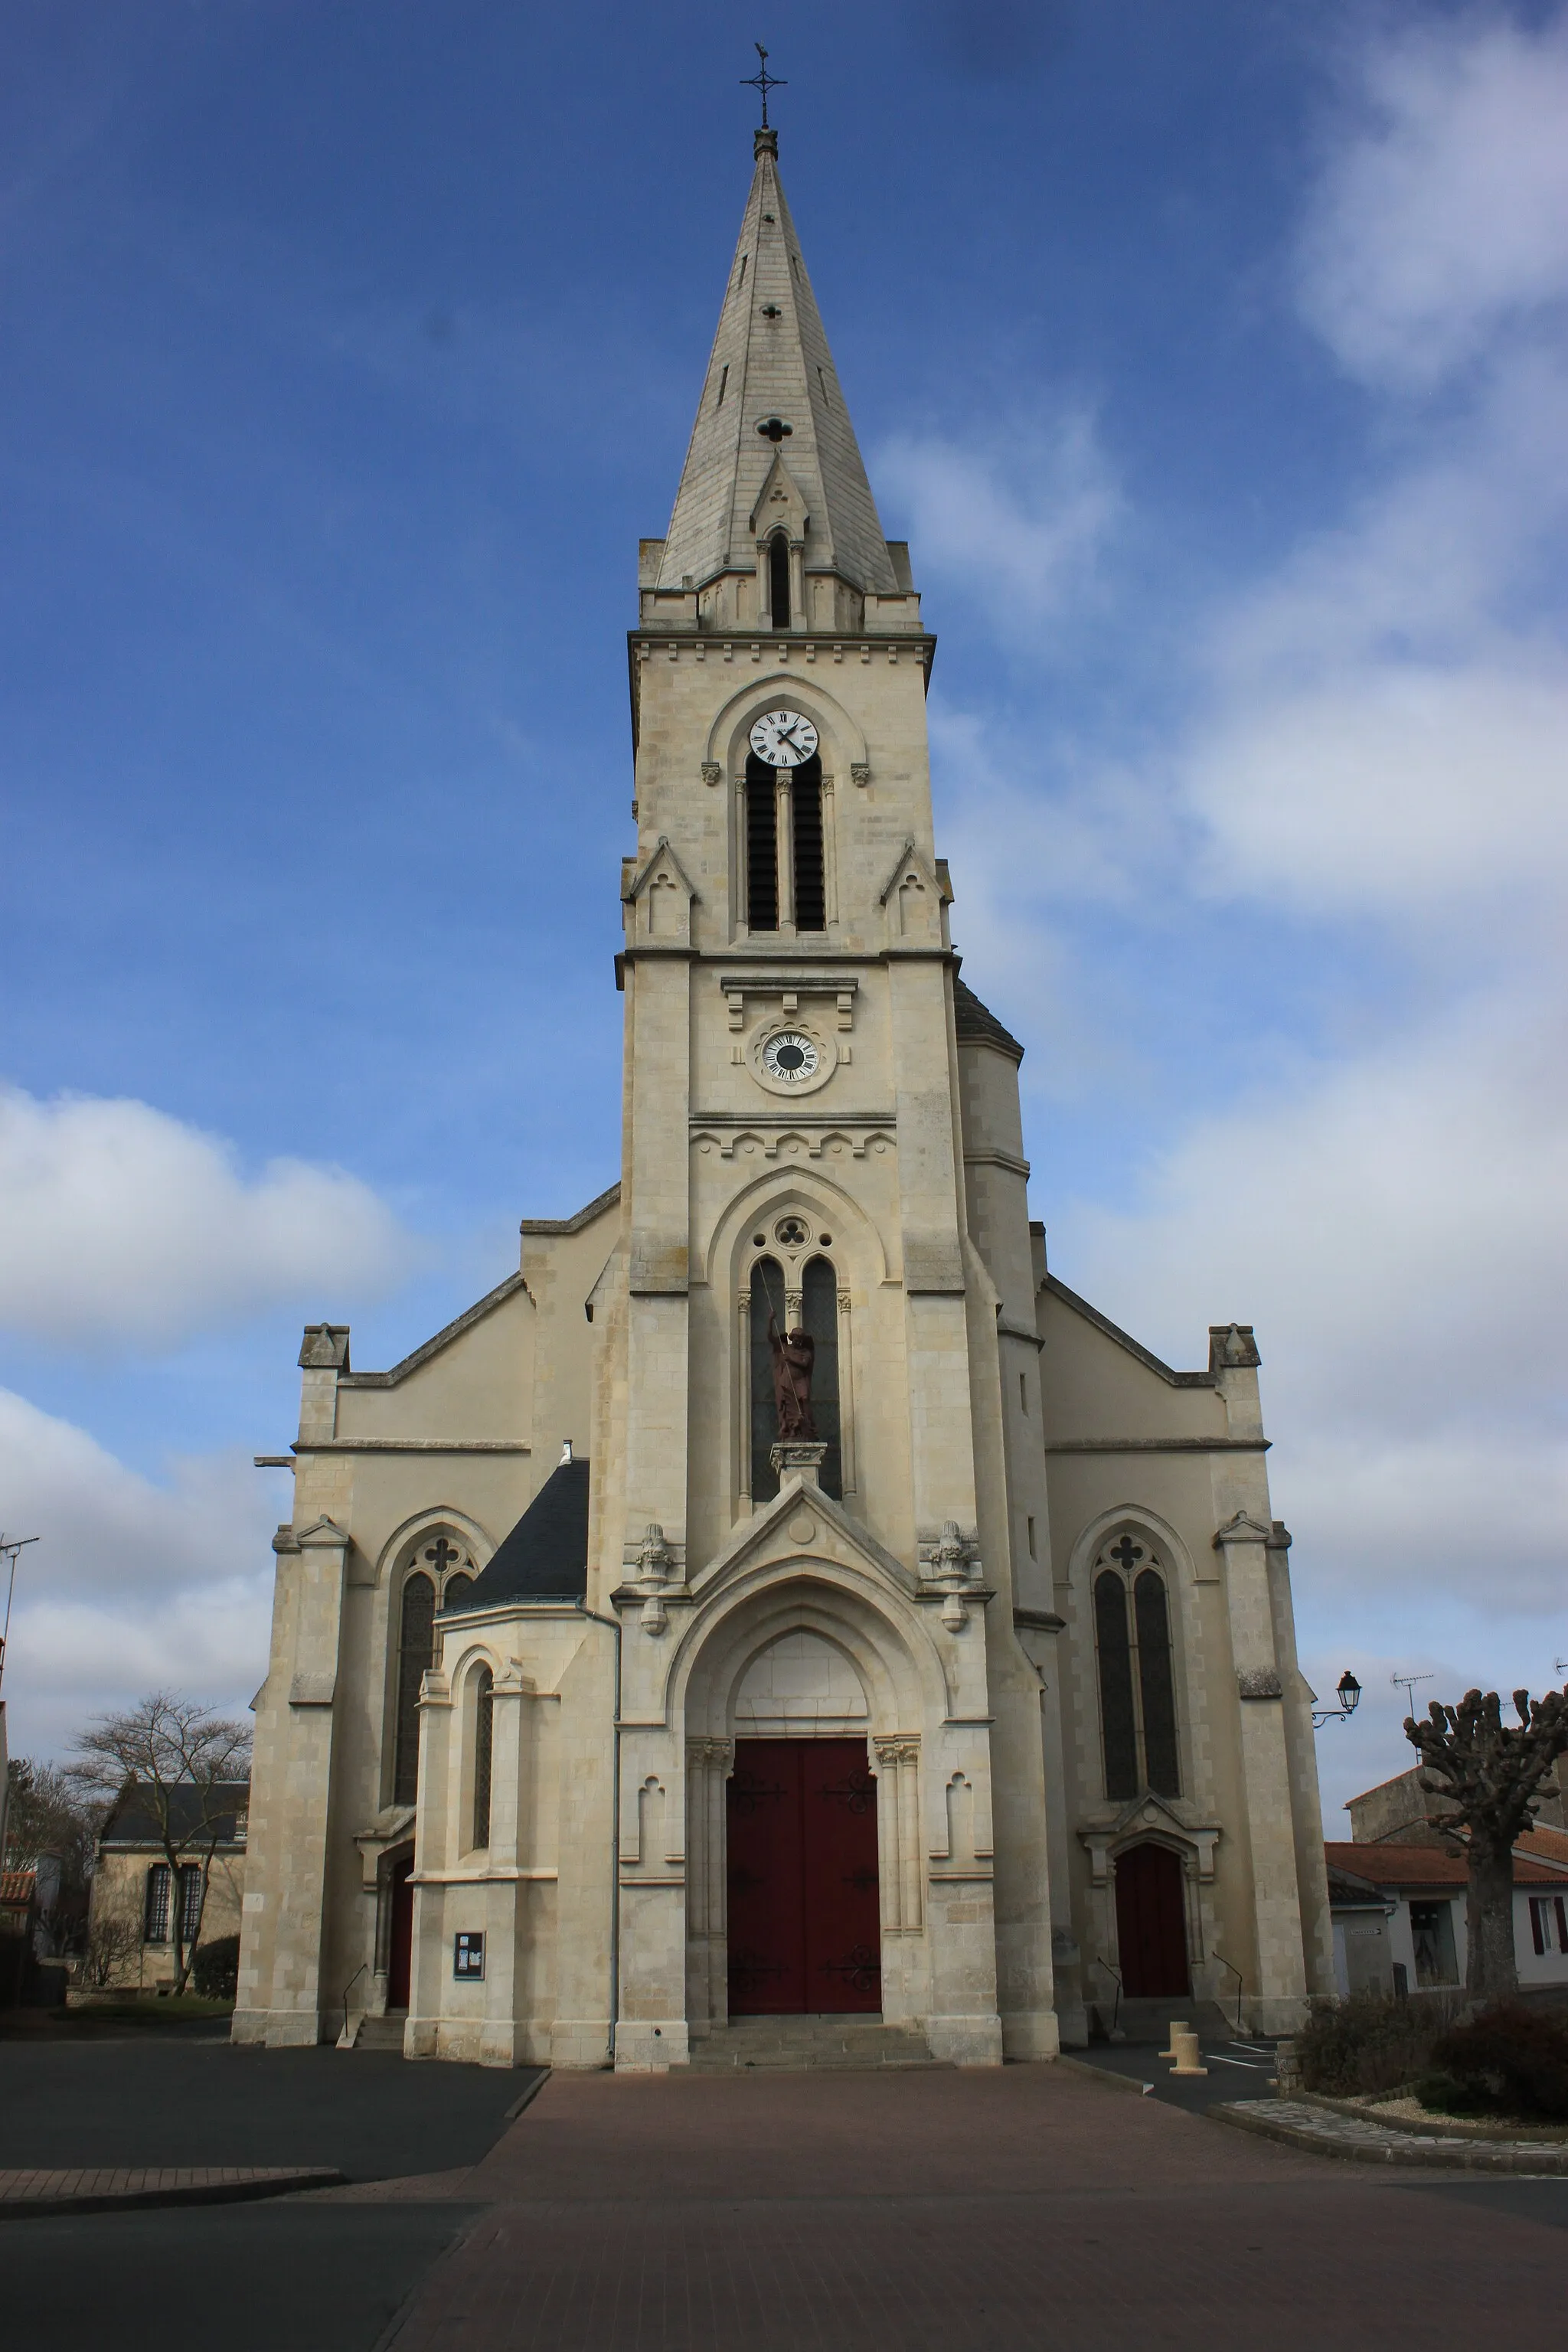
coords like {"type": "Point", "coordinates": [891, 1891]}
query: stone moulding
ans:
{"type": "Point", "coordinates": [797, 1136]}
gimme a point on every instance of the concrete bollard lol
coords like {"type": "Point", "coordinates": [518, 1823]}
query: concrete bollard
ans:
{"type": "Point", "coordinates": [1184, 2043]}
{"type": "Point", "coordinates": [1178, 2025]}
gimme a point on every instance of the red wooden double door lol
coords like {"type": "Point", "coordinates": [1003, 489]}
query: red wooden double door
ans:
{"type": "Point", "coordinates": [804, 1923]}
{"type": "Point", "coordinates": [1151, 1921]}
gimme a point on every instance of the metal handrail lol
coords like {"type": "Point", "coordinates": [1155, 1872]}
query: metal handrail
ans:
{"type": "Point", "coordinates": [1240, 1984]}
{"type": "Point", "coordinates": [1115, 1976]}
{"type": "Point", "coordinates": [349, 1988]}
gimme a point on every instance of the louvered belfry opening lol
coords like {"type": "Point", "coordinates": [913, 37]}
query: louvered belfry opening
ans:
{"type": "Point", "coordinates": [805, 828]}
{"type": "Point", "coordinates": [762, 847]}
{"type": "Point", "coordinates": [778, 578]}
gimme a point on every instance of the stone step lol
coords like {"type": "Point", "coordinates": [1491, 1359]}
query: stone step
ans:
{"type": "Point", "coordinates": [383, 2032]}
{"type": "Point", "coordinates": [792, 2044]}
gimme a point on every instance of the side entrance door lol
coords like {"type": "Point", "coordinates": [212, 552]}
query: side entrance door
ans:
{"type": "Point", "coordinates": [400, 1958]}
{"type": "Point", "coordinates": [1151, 1921]}
{"type": "Point", "coordinates": [805, 1916]}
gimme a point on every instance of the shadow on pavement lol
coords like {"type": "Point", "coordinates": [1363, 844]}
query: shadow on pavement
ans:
{"type": "Point", "coordinates": [255, 2278]}
{"type": "Point", "coordinates": [175, 2102]}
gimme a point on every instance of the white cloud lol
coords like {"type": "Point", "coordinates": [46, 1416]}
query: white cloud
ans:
{"type": "Point", "coordinates": [1378, 756]}
{"type": "Point", "coordinates": [1443, 216]}
{"type": "Point", "coordinates": [1397, 1214]}
{"type": "Point", "coordinates": [132, 1584]}
{"type": "Point", "coordinates": [118, 1224]}
{"type": "Point", "coordinates": [1021, 520]}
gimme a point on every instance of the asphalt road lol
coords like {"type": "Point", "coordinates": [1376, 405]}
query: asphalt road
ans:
{"type": "Point", "coordinates": [293, 2276]}
{"type": "Point", "coordinates": [155, 2101]}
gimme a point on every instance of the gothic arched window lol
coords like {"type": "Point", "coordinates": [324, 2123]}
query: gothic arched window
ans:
{"type": "Point", "coordinates": [416, 1649]}
{"type": "Point", "coordinates": [484, 1740]}
{"type": "Point", "coordinates": [819, 1316]}
{"type": "Point", "coordinates": [1137, 1682]}
{"type": "Point", "coordinates": [767, 1297]}
{"type": "Point", "coordinates": [819, 1313]}
{"type": "Point", "coordinates": [778, 578]}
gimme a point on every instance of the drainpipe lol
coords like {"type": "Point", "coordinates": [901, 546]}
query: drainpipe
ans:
{"type": "Point", "coordinates": [615, 1625]}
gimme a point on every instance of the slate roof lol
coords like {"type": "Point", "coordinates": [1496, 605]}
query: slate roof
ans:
{"type": "Point", "coordinates": [545, 1557]}
{"type": "Point", "coordinates": [978, 1026]}
{"type": "Point", "coordinates": [134, 1823]}
{"type": "Point", "coordinates": [1406, 1868]}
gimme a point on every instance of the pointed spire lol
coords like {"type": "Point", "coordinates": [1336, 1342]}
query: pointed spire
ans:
{"type": "Point", "coordinates": [771, 393]}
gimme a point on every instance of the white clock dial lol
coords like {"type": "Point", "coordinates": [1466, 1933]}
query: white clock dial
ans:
{"type": "Point", "coordinates": [791, 1058]}
{"type": "Point", "coordinates": [783, 738]}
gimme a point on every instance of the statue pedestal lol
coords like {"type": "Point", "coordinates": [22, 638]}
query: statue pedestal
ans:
{"type": "Point", "coordinates": [798, 1457]}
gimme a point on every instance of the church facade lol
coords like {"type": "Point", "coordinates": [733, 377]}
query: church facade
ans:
{"type": "Point", "coordinates": [607, 1706]}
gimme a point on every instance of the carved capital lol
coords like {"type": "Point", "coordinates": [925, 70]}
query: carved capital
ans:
{"type": "Point", "coordinates": [859, 772]}
{"type": "Point", "coordinates": [712, 773]}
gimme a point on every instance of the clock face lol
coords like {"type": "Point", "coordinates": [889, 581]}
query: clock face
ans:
{"type": "Point", "coordinates": [791, 1058]}
{"type": "Point", "coordinates": [783, 738]}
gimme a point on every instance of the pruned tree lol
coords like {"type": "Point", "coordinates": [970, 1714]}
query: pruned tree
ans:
{"type": "Point", "coordinates": [177, 1756]}
{"type": "Point", "coordinates": [1493, 1773]}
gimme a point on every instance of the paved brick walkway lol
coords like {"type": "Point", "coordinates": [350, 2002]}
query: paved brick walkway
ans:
{"type": "Point", "coordinates": [106, 2186]}
{"type": "Point", "coordinates": [947, 2212]}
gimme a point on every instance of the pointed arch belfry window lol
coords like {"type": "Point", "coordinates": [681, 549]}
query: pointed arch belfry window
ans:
{"type": "Point", "coordinates": [762, 846]}
{"type": "Point", "coordinates": [810, 896]}
{"type": "Point", "coordinates": [1136, 1671]}
{"type": "Point", "coordinates": [778, 579]}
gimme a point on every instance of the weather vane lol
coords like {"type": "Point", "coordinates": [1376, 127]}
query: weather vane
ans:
{"type": "Point", "coordinates": [764, 80]}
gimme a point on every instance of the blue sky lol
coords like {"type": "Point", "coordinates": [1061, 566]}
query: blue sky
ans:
{"type": "Point", "coordinates": [1212, 359]}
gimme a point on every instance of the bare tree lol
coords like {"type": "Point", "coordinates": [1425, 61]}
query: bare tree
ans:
{"type": "Point", "coordinates": [177, 1757]}
{"type": "Point", "coordinates": [51, 1813]}
{"type": "Point", "coordinates": [112, 1945]}
{"type": "Point", "coordinates": [1492, 1772]}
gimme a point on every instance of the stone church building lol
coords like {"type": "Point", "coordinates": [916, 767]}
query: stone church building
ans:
{"type": "Point", "coordinates": [602, 1710]}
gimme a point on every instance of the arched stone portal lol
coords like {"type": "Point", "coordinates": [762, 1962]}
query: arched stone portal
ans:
{"type": "Point", "coordinates": [805, 1660]}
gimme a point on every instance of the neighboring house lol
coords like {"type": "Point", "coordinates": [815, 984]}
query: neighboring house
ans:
{"type": "Point", "coordinates": [133, 1887]}
{"type": "Point", "coordinates": [30, 1977]}
{"type": "Point", "coordinates": [1402, 1813]}
{"type": "Point", "coordinates": [1399, 1915]}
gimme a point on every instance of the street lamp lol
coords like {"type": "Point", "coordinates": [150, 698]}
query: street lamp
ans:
{"type": "Point", "coordinates": [1349, 1694]}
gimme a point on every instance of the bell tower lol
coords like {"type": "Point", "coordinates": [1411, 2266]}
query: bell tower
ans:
{"type": "Point", "coordinates": [793, 1151]}
{"type": "Point", "coordinates": [790, 1087]}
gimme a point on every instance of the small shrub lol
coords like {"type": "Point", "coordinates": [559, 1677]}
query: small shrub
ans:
{"type": "Point", "coordinates": [1508, 2060]}
{"type": "Point", "coordinates": [215, 1971]}
{"type": "Point", "coordinates": [1372, 2042]}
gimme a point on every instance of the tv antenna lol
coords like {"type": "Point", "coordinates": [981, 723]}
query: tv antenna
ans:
{"type": "Point", "coordinates": [1406, 1683]}
{"type": "Point", "coordinates": [9, 1548]}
